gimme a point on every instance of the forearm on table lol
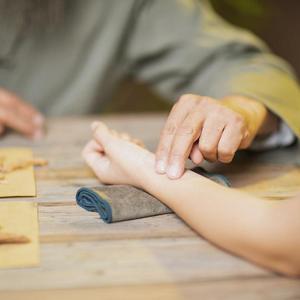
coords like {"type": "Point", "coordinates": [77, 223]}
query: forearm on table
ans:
{"type": "Point", "coordinates": [235, 221]}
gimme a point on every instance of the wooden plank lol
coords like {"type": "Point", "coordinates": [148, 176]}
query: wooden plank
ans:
{"type": "Point", "coordinates": [19, 218]}
{"type": "Point", "coordinates": [276, 288]}
{"type": "Point", "coordinates": [72, 223]}
{"type": "Point", "coordinates": [127, 262]}
{"type": "Point", "coordinates": [154, 258]}
{"type": "Point", "coordinates": [20, 182]}
{"type": "Point", "coordinates": [151, 292]}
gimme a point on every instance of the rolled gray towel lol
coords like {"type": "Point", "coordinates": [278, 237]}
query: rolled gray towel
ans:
{"type": "Point", "coordinates": [120, 202]}
{"type": "Point", "coordinates": [123, 202]}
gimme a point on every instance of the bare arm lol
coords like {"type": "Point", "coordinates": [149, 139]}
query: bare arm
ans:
{"type": "Point", "coordinates": [265, 232]}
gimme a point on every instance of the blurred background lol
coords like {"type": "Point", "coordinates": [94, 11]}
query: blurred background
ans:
{"type": "Point", "coordinates": [277, 22]}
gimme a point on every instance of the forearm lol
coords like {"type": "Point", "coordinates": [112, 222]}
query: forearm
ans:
{"type": "Point", "coordinates": [235, 221]}
{"type": "Point", "coordinates": [263, 231]}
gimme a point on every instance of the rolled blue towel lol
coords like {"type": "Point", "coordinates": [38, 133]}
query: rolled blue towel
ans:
{"type": "Point", "coordinates": [123, 202]}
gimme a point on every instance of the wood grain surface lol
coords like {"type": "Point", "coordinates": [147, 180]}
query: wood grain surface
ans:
{"type": "Point", "coordinates": [152, 258]}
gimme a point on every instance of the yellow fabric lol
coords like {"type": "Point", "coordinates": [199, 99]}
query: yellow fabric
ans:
{"type": "Point", "coordinates": [276, 90]}
{"type": "Point", "coordinates": [253, 112]}
{"type": "Point", "coordinates": [19, 183]}
{"type": "Point", "coordinates": [19, 218]}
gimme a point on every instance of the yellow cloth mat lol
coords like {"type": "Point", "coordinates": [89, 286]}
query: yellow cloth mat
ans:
{"type": "Point", "coordinates": [19, 219]}
{"type": "Point", "coordinates": [19, 183]}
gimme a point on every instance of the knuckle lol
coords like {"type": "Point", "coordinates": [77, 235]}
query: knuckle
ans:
{"type": "Point", "coordinates": [185, 129]}
{"type": "Point", "coordinates": [206, 101]}
{"type": "Point", "coordinates": [187, 98]}
{"type": "Point", "coordinates": [170, 129]}
{"type": "Point", "coordinates": [217, 116]}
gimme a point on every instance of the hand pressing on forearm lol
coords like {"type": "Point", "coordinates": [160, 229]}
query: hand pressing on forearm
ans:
{"type": "Point", "coordinates": [20, 116]}
{"type": "Point", "coordinates": [263, 231]}
{"type": "Point", "coordinates": [204, 128]}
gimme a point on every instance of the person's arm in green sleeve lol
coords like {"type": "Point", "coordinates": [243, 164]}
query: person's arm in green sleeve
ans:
{"type": "Point", "coordinates": [187, 53]}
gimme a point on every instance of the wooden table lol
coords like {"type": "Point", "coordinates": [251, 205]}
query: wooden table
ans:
{"type": "Point", "coordinates": [152, 258]}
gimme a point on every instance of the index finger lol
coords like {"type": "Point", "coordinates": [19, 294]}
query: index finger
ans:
{"type": "Point", "coordinates": [177, 115]}
{"type": "Point", "coordinates": [187, 133]}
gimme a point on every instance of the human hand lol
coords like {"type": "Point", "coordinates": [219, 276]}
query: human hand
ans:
{"type": "Point", "coordinates": [116, 158]}
{"type": "Point", "coordinates": [204, 128]}
{"type": "Point", "coordinates": [16, 114]}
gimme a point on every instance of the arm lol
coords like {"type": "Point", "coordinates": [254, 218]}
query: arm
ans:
{"type": "Point", "coordinates": [183, 46]}
{"type": "Point", "coordinates": [185, 52]}
{"type": "Point", "coordinates": [265, 232]}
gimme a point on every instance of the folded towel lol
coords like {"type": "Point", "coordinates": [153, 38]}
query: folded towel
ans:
{"type": "Point", "coordinates": [123, 202]}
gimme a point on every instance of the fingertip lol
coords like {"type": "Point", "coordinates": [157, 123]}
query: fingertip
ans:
{"type": "Point", "coordinates": [160, 166]}
{"type": "Point", "coordinates": [39, 120]}
{"type": "Point", "coordinates": [197, 160]}
{"type": "Point", "coordinates": [94, 125]}
{"type": "Point", "coordinates": [174, 171]}
{"type": "Point", "coordinates": [99, 127]}
{"type": "Point", "coordinates": [196, 155]}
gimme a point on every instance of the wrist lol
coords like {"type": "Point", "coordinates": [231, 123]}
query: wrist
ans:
{"type": "Point", "coordinates": [143, 172]}
{"type": "Point", "coordinates": [253, 112]}
{"type": "Point", "coordinates": [160, 186]}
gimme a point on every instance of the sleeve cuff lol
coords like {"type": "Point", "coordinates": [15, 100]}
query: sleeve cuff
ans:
{"type": "Point", "coordinates": [283, 137]}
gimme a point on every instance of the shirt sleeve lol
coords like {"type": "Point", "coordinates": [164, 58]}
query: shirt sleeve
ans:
{"type": "Point", "coordinates": [182, 46]}
{"type": "Point", "coordinates": [283, 137]}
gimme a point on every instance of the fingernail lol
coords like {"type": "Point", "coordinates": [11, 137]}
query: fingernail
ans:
{"type": "Point", "coordinates": [161, 166]}
{"type": "Point", "coordinates": [39, 120]}
{"type": "Point", "coordinates": [173, 171]}
{"type": "Point", "coordinates": [94, 125]}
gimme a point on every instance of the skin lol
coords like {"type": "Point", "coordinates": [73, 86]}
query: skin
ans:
{"type": "Point", "coordinates": [199, 128]}
{"type": "Point", "coordinates": [262, 231]}
{"type": "Point", "coordinates": [16, 114]}
{"type": "Point", "coordinates": [205, 128]}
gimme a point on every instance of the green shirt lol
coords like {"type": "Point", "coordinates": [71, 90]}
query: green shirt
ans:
{"type": "Point", "coordinates": [175, 46]}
